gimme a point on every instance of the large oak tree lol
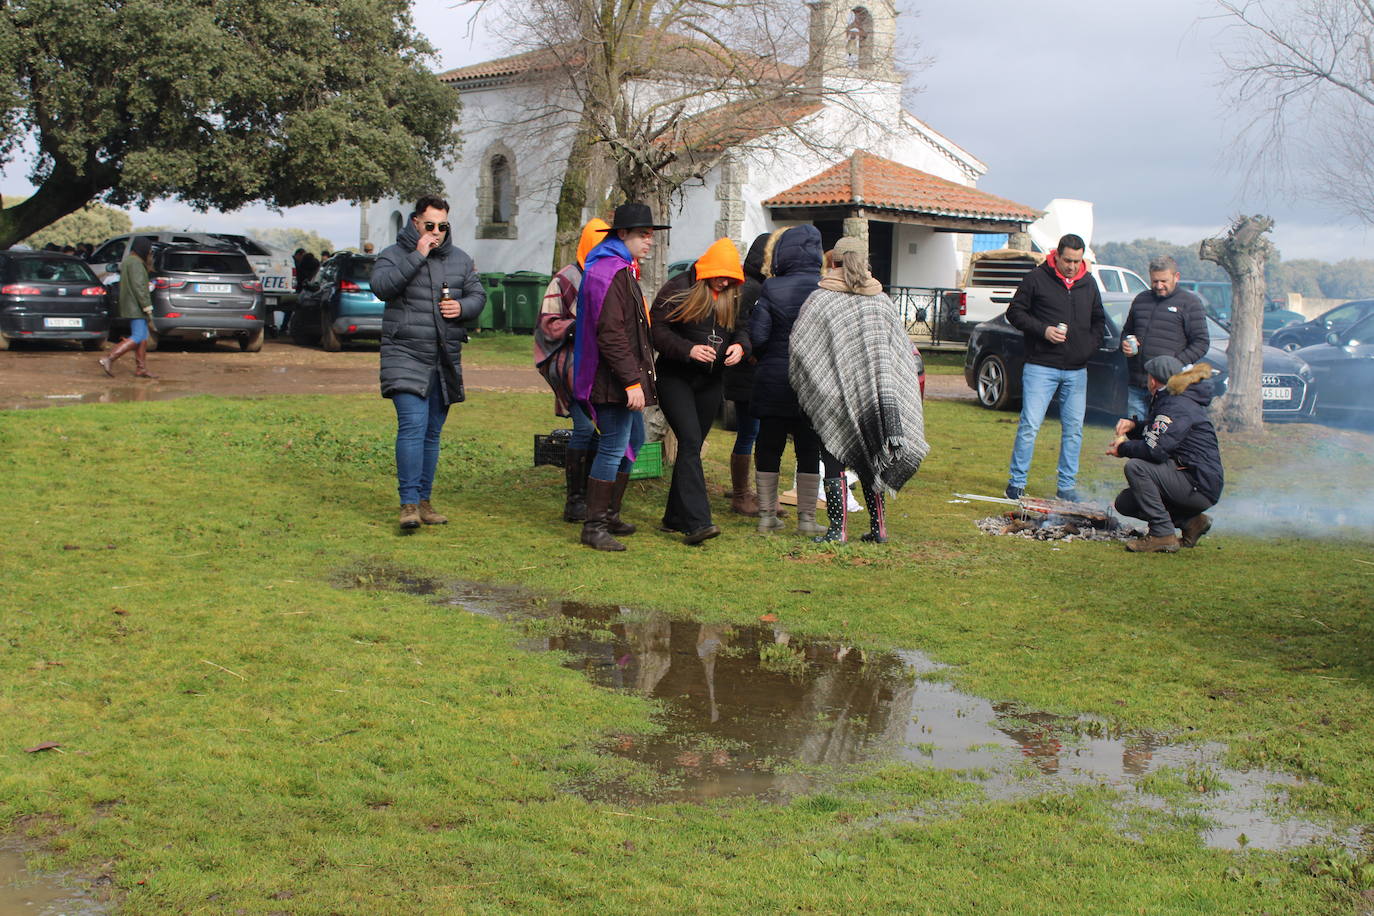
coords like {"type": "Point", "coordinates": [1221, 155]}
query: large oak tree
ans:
{"type": "Point", "coordinates": [218, 103]}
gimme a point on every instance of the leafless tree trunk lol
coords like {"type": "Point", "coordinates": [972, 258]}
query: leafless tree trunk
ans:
{"type": "Point", "coordinates": [1242, 254]}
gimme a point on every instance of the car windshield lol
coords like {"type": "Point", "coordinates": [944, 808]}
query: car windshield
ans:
{"type": "Point", "coordinates": [360, 269]}
{"type": "Point", "coordinates": [205, 262]}
{"type": "Point", "coordinates": [48, 270]}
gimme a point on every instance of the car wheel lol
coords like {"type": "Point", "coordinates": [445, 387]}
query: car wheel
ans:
{"type": "Point", "coordinates": [994, 384]}
{"type": "Point", "coordinates": [253, 342]}
{"type": "Point", "coordinates": [328, 339]}
{"type": "Point", "coordinates": [97, 344]}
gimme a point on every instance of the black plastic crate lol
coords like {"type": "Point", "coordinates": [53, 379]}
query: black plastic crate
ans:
{"type": "Point", "coordinates": [553, 448]}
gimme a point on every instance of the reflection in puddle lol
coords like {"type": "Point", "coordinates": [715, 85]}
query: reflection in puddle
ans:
{"type": "Point", "coordinates": [22, 892]}
{"type": "Point", "coordinates": [753, 711]}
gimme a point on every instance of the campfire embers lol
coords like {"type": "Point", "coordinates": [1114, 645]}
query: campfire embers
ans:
{"type": "Point", "coordinates": [1053, 520]}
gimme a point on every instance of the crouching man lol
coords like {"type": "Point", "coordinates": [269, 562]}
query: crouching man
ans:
{"type": "Point", "coordinates": [1173, 468]}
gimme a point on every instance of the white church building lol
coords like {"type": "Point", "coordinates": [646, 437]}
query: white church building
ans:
{"type": "Point", "coordinates": [882, 172]}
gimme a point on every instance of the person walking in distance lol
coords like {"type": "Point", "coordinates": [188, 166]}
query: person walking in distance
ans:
{"type": "Point", "coordinates": [431, 288]}
{"type": "Point", "coordinates": [1059, 310]}
{"type": "Point", "coordinates": [613, 366]}
{"type": "Point", "coordinates": [553, 357]}
{"type": "Point", "coordinates": [696, 330]}
{"type": "Point", "coordinates": [135, 304]}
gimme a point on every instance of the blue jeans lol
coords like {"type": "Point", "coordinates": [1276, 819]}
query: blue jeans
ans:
{"type": "Point", "coordinates": [419, 421]}
{"type": "Point", "coordinates": [746, 429]}
{"type": "Point", "coordinates": [138, 329]}
{"type": "Point", "coordinates": [584, 430]}
{"type": "Point", "coordinates": [621, 428]}
{"type": "Point", "coordinates": [1138, 403]}
{"type": "Point", "coordinates": [1039, 386]}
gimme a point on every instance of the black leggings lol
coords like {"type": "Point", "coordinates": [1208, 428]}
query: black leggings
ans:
{"type": "Point", "coordinates": [773, 432]}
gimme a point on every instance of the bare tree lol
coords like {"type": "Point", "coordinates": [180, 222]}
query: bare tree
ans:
{"type": "Point", "coordinates": [1304, 72]}
{"type": "Point", "coordinates": [661, 91]}
{"type": "Point", "coordinates": [1242, 253]}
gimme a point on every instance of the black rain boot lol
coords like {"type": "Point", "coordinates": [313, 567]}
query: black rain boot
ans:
{"type": "Point", "coordinates": [614, 524]}
{"type": "Point", "coordinates": [575, 471]}
{"type": "Point", "coordinates": [594, 533]}
{"type": "Point", "coordinates": [877, 516]}
{"type": "Point", "coordinates": [836, 502]}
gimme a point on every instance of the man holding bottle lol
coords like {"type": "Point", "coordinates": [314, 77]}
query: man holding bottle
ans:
{"type": "Point", "coordinates": [432, 292]}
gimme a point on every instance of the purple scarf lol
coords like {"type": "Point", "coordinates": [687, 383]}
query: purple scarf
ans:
{"type": "Point", "coordinates": [603, 263]}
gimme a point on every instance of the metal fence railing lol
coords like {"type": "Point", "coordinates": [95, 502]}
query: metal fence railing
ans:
{"type": "Point", "coordinates": [925, 310]}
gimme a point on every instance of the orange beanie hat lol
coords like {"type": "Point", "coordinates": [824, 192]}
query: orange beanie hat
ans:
{"type": "Point", "coordinates": [720, 260]}
{"type": "Point", "coordinates": [593, 234]}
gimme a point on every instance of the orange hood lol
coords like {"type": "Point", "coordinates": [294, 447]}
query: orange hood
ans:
{"type": "Point", "coordinates": [720, 260]}
{"type": "Point", "coordinates": [593, 234]}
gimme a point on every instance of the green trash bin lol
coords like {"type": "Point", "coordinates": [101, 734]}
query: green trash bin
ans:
{"type": "Point", "coordinates": [524, 296]}
{"type": "Point", "coordinates": [493, 316]}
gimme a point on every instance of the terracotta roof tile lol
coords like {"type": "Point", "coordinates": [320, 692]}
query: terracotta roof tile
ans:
{"type": "Point", "coordinates": [872, 181]}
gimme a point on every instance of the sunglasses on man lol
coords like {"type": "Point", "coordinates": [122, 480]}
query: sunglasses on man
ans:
{"type": "Point", "coordinates": [430, 227]}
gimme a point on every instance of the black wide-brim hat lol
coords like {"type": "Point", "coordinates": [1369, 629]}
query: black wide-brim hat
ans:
{"type": "Point", "coordinates": [633, 216]}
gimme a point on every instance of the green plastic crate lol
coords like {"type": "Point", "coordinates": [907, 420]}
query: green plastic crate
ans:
{"type": "Point", "coordinates": [649, 461]}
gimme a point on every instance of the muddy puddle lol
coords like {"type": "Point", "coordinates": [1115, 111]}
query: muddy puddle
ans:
{"type": "Point", "coordinates": [23, 893]}
{"type": "Point", "coordinates": [751, 710]}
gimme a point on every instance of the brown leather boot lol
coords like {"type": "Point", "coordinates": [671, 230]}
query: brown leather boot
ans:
{"type": "Point", "coordinates": [594, 530]}
{"type": "Point", "coordinates": [124, 346]}
{"type": "Point", "coordinates": [429, 516]}
{"type": "Point", "coordinates": [1155, 543]}
{"type": "Point", "coordinates": [741, 500]}
{"type": "Point", "coordinates": [614, 524]}
{"type": "Point", "coordinates": [575, 471]}
{"type": "Point", "coordinates": [410, 516]}
{"type": "Point", "coordinates": [1195, 528]}
{"type": "Point", "coordinates": [141, 360]}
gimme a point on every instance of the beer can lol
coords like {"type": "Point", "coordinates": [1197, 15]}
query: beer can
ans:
{"type": "Point", "coordinates": [1134, 344]}
{"type": "Point", "coordinates": [1063, 328]}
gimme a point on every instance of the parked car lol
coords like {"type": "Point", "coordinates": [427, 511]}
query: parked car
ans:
{"type": "Point", "coordinates": [338, 305]}
{"type": "Point", "coordinates": [205, 292]}
{"type": "Point", "coordinates": [1216, 300]}
{"type": "Point", "coordinates": [273, 266]}
{"type": "Point", "coordinates": [45, 295]}
{"type": "Point", "coordinates": [1312, 333]}
{"type": "Point", "coordinates": [1343, 366]}
{"type": "Point", "coordinates": [996, 353]}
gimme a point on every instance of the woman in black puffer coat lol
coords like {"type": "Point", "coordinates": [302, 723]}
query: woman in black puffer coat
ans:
{"type": "Point", "coordinates": [431, 291]}
{"type": "Point", "coordinates": [739, 387]}
{"type": "Point", "coordinates": [793, 256]}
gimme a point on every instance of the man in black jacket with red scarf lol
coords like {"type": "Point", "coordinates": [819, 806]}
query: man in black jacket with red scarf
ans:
{"type": "Point", "coordinates": [1059, 310]}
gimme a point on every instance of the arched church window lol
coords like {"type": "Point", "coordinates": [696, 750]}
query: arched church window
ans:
{"type": "Point", "coordinates": [500, 190]}
{"type": "Point", "coordinates": [497, 194]}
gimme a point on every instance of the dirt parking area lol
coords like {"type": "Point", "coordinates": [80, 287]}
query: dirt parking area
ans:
{"type": "Point", "coordinates": [52, 375]}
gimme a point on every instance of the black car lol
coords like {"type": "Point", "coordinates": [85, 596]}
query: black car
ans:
{"type": "Point", "coordinates": [996, 353]}
{"type": "Point", "coordinates": [1313, 333]}
{"type": "Point", "coordinates": [204, 292]}
{"type": "Point", "coordinates": [46, 295]}
{"type": "Point", "coordinates": [1343, 367]}
{"type": "Point", "coordinates": [338, 304]}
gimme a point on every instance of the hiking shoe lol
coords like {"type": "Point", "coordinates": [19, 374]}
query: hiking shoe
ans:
{"type": "Point", "coordinates": [429, 516]}
{"type": "Point", "coordinates": [1194, 529]}
{"type": "Point", "coordinates": [1068, 496]}
{"type": "Point", "coordinates": [410, 516]}
{"type": "Point", "coordinates": [1167, 543]}
{"type": "Point", "coordinates": [1014, 492]}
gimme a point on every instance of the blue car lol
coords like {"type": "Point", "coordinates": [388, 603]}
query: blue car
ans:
{"type": "Point", "coordinates": [338, 305]}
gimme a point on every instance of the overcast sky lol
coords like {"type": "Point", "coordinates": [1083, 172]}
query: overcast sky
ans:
{"type": "Point", "coordinates": [1118, 103]}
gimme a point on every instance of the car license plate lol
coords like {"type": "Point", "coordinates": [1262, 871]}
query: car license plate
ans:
{"type": "Point", "coordinates": [213, 288]}
{"type": "Point", "coordinates": [61, 322]}
{"type": "Point", "coordinates": [1276, 394]}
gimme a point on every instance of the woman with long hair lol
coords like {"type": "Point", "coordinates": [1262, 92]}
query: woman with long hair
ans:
{"type": "Point", "coordinates": [135, 304]}
{"type": "Point", "coordinates": [855, 377]}
{"type": "Point", "coordinates": [697, 333]}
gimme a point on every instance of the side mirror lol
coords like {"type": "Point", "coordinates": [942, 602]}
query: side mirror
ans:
{"type": "Point", "coordinates": [1334, 339]}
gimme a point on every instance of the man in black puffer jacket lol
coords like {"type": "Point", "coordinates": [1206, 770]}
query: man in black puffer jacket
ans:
{"type": "Point", "coordinates": [1174, 469]}
{"type": "Point", "coordinates": [431, 290]}
{"type": "Point", "coordinates": [1059, 310]}
{"type": "Point", "coordinates": [1165, 321]}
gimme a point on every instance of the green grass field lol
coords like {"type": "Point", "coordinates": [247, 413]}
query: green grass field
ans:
{"type": "Point", "coordinates": [240, 735]}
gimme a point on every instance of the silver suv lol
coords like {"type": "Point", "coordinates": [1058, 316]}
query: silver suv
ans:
{"type": "Point", "coordinates": [202, 292]}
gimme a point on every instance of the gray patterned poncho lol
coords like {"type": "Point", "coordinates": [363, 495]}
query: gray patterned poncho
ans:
{"type": "Point", "coordinates": [855, 377]}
